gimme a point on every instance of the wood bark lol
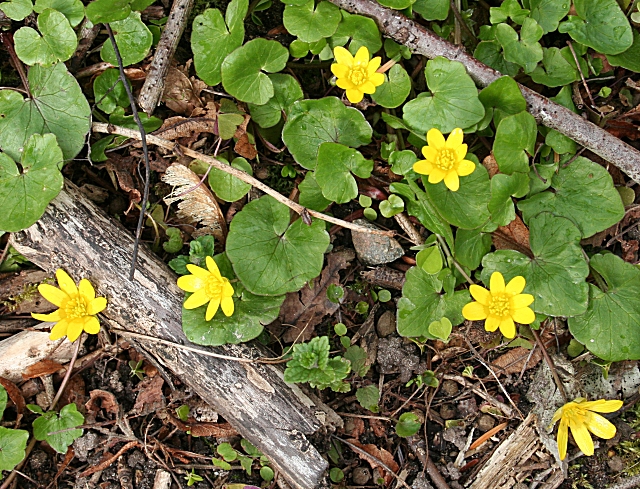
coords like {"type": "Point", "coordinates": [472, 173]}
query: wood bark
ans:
{"type": "Point", "coordinates": [422, 41]}
{"type": "Point", "coordinates": [75, 235]}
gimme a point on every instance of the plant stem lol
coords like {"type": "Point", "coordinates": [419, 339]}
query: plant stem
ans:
{"type": "Point", "coordinates": [67, 374]}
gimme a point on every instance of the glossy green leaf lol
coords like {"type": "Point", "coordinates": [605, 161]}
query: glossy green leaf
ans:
{"type": "Point", "coordinates": [422, 303]}
{"type": "Point", "coordinates": [311, 194]}
{"type": "Point", "coordinates": [524, 50]}
{"type": "Point", "coordinates": [12, 447]}
{"type": "Point", "coordinates": [392, 206]}
{"type": "Point", "coordinates": [601, 25]}
{"type": "Point", "coordinates": [470, 246]}
{"type": "Point", "coordinates": [213, 38]}
{"type": "Point", "coordinates": [509, 9]}
{"type": "Point", "coordinates": [629, 59]}
{"type": "Point", "coordinates": [226, 186]}
{"type": "Point", "coordinates": [368, 397]}
{"type": "Point", "coordinates": [557, 271]}
{"type": "Point", "coordinates": [402, 163]}
{"type": "Point", "coordinates": [408, 425]}
{"type": "Point", "coordinates": [250, 313]}
{"type": "Point", "coordinates": [140, 5]}
{"type": "Point", "coordinates": [336, 163]}
{"type": "Point", "coordinates": [313, 122]}
{"type": "Point", "coordinates": [432, 9]}
{"type": "Point", "coordinates": [17, 9]}
{"type": "Point", "coordinates": [430, 260]}
{"type": "Point", "coordinates": [453, 101]}
{"type": "Point", "coordinates": [584, 193]}
{"type": "Point", "coordinates": [558, 68]}
{"type": "Point", "coordinates": [549, 13]}
{"type": "Point", "coordinates": [560, 143]}
{"type": "Point", "coordinates": [228, 125]}
{"type": "Point", "coordinates": [58, 41]}
{"type": "Point", "coordinates": [25, 192]}
{"type": "Point", "coordinates": [150, 123]}
{"type": "Point", "coordinates": [242, 71]}
{"type": "Point", "coordinates": [441, 329]}
{"type": "Point", "coordinates": [133, 39]}
{"type": "Point", "coordinates": [309, 22]}
{"type": "Point", "coordinates": [610, 328]}
{"type": "Point", "coordinates": [503, 187]}
{"type": "Point", "coordinates": [515, 141]}
{"type": "Point", "coordinates": [503, 94]}
{"type": "Point", "coordinates": [56, 428]}
{"type": "Point", "coordinates": [286, 90]}
{"type": "Point", "coordinates": [362, 31]}
{"type": "Point", "coordinates": [109, 92]}
{"type": "Point", "coordinates": [395, 89]}
{"type": "Point", "coordinates": [271, 256]}
{"type": "Point", "coordinates": [490, 53]}
{"type": "Point", "coordinates": [73, 10]}
{"type": "Point", "coordinates": [107, 11]}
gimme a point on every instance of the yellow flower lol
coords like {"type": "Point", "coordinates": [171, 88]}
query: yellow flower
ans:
{"type": "Point", "coordinates": [207, 286]}
{"type": "Point", "coordinates": [356, 75]}
{"type": "Point", "coordinates": [78, 307]}
{"type": "Point", "coordinates": [445, 159]}
{"type": "Point", "coordinates": [580, 415]}
{"type": "Point", "coordinates": [500, 306]}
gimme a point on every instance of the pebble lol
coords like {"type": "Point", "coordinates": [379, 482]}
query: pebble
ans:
{"type": "Point", "coordinates": [616, 464]}
{"type": "Point", "coordinates": [449, 388]}
{"type": "Point", "coordinates": [374, 249]}
{"type": "Point", "coordinates": [486, 422]}
{"type": "Point", "coordinates": [386, 324]}
{"type": "Point", "coordinates": [361, 476]}
{"type": "Point", "coordinates": [447, 411]}
{"type": "Point", "coordinates": [467, 407]}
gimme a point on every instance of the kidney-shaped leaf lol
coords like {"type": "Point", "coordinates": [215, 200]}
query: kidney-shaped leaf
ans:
{"type": "Point", "coordinates": [17, 9]}
{"type": "Point", "coordinates": [12, 447]}
{"type": "Point", "coordinates": [73, 10]}
{"type": "Point", "coordinates": [271, 256]}
{"type": "Point", "coordinates": [286, 91]}
{"type": "Point", "coordinates": [106, 11]}
{"type": "Point", "coordinates": [395, 89]}
{"type": "Point", "coordinates": [226, 186]}
{"type": "Point", "coordinates": [336, 162]}
{"type": "Point", "coordinates": [311, 24]}
{"type": "Point", "coordinates": [58, 41]}
{"type": "Point", "coordinates": [133, 39]}
{"type": "Point", "coordinates": [57, 429]}
{"type": "Point", "coordinates": [515, 141]}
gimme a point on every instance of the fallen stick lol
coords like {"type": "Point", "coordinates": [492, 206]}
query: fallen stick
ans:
{"type": "Point", "coordinates": [422, 41]}
{"type": "Point", "coordinates": [76, 235]}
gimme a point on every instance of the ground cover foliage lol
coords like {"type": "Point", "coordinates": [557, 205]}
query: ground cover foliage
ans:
{"type": "Point", "coordinates": [252, 85]}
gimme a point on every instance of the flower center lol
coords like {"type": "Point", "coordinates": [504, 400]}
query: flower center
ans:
{"type": "Point", "coordinates": [499, 305]}
{"type": "Point", "coordinates": [76, 308]}
{"type": "Point", "coordinates": [446, 159]}
{"type": "Point", "coordinates": [213, 286]}
{"type": "Point", "coordinates": [358, 75]}
{"type": "Point", "coordinates": [575, 413]}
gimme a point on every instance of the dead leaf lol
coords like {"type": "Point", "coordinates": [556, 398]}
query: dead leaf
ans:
{"type": "Point", "coordinates": [378, 427]}
{"type": "Point", "coordinates": [514, 236]}
{"type": "Point", "coordinates": [124, 168]}
{"type": "Point", "coordinates": [101, 400]}
{"type": "Point", "coordinates": [150, 397]}
{"type": "Point", "coordinates": [306, 309]}
{"type": "Point", "coordinates": [358, 428]}
{"type": "Point", "coordinates": [513, 361]}
{"type": "Point", "coordinates": [16, 396]}
{"type": "Point", "coordinates": [40, 369]}
{"type": "Point", "coordinates": [491, 165]}
{"type": "Point", "coordinates": [377, 454]}
{"type": "Point", "coordinates": [179, 93]}
{"type": "Point", "coordinates": [630, 250]}
{"type": "Point", "coordinates": [244, 148]}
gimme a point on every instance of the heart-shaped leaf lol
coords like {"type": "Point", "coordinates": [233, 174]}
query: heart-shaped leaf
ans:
{"type": "Point", "coordinates": [311, 193]}
{"type": "Point", "coordinates": [286, 90]}
{"type": "Point", "coordinates": [107, 11]}
{"type": "Point", "coordinates": [362, 31]}
{"type": "Point", "coordinates": [503, 94]}
{"type": "Point", "coordinates": [73, 10]}
{"type": "Point", "coordinates": [311, 24]}
{"type": "Point", "coordinates": [226, 186]}
{"type": "Point", "coordinates": [549, 13]}
{"type": "Point", "coordinates": [515, 141]}
{"type": "Point", "coordinates": [558, 68]}
{"type": "Point", "coordinates": [56, 428]}
{"type": "Point", "coordinates": [441, 329]}
{"type": "Point", "coordinates": [109, 92]}
{"type": "Point", "coordinates": [490, 53]}
{"type": "Point", "coordinates": [395, 89]}
{"type": "Point", "coordinates": [336, 162]}
{"type": "Point", "coordinates": [629, 59]}
{"type": "Point", "coordinates": [503, 187]}
{"type": "Point", "coordinates": [133, 39]}
{"type": "Point", "coordinates": [17, 9]}
{"type": "Point", "coordinates": [58, 41]}
{"type": "Point", "coordinates": [12, 447]}
{"type": "Point", "coordinates": [432, 9]}
{"type": "Point", "coordinates": [525, 51]}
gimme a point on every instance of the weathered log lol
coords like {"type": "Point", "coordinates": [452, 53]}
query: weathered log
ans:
{"type": "Point", "coordinates": [75, 235]}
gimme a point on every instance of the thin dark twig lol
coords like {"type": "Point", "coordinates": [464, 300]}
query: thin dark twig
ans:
{"type": "Point", "coordinates": [584, 82]}
{"type": "Point", "coordinates": [461, 21]}
{"type": "Point", "coordinates": [145, 152]}
{"type": "Point", "coordinates": [4, 253]}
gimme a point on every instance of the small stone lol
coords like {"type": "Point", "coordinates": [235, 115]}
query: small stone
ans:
{"type": "Point", "coordinates": [386, 324]}
{"type": "Point", "coordinates": [467, 407]}
{"type": "Point", "coordinates": [447, 411]}
{"type": "Point", "coordinates": [486, 422]}
{"type": "Point", "coordinates": [361, 476]}
{"type": "Point", "coordinates": [449, 388]}
{"type": "Point", "coordinates": [85, 444]}
{"type": "Point", "coordinates": [421, 482]}
{"type": "Point", "coordinates": [374, 249]}
{"type": "Point", "coordinates": [38, 460]}
{"type": "Point", "coordinates": [349, 425]}
{"type": "Point", "coordinates": [616, 464]}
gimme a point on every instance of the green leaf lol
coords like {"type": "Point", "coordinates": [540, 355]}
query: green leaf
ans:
{"type": "Point", "coordinates": [150, 123]}
{"type": "Point", "coordinates": [336, 475]}
{"type": "Point", "coordinates": [525, 51]}
{"type": "Point", "coordinates": [221, 464]}
{"type": "Point", "coordinates": [286, 90]}
{"type": "Point", "coordinates": [213, 39]}
{"type": "Point", "coordinates": [26, 192]}
{"type": "Point", "coordinates": [503, 187]}
{"type": "Point", "coordinates": [396, 4]}
{"type": "Point", "coordinates": [610, 327]}
{"type": "Point", "coordinates": [336, 162]}
{"type": "Point", "coordinates": [140, 5]}
{"type": "Point", "coordinates": [441, 329]}
{"type": "Point", "coordinates": [629, 59]}
{"type": "Point", "coordinates": [311, 24]}
{"type": "Point", "coordinates": [470, 246]}
{"type": "Point", "coordinates": [133, 39]}
{"type": "Point", "coordinates": [490, 53]}
{"type": "Point", "coordinates": [107, 94]}
{"type": "Point", "coordinates": [174, 244]}
{"type": "Point", "coordinates": [515, 141]}
{"type": "Point", "coordinates": [503, 94]}
{"type": "Point", "coordinates": [453, 101]}
{"type": "Point", "coordinates": [55, 429]}
{"type": "Point", "coordinates": [3, 400]}
{"type": "Point", "coordinates": [228, 125]}
{"type": "Point", "coordinates": [227, 452]}
{"type": "Point", "coordinates": [395, 89]}
{"type": "Point", "coordinates": [408, 425]}
{"type": "Point", "coordinates": [311, 363]}
{"type": "Point", "coordinates": [358, 358]}
{"type": "Point", "coordinates": [584, 193]}
{"type": "Point", "coordinates": [107, 11]}
{"type": "Point", "coordinates": [402, 163]}
{"type": "Point", "coordinates": [509, 9]}
{"type": "Point", "coordinates": [558, 68]}
{"type": "Point", "coordinates": [250, 313]}
{"type": "Point", "coordinates": [467, 207]}
{"type": "Point", "coordinates": [266, 473]}
{"type": "Point", "coordinates": [57, 43]}
{"type": "Point", "coordinates": [430, 260]}
{"type": "Point", "coordinates": [12, 447]}
{"type": "Point", "coordinates": [242, 75]}
{"type": "Point", "coordinates": [313, 122]}
{"type": "Point", "coordinates": [422, 303]}
{"type": "Point", "coordinates": [556, 273]}
{"type": "Point", "coordinates": [73, 10]}
{"type": "Point", "coordinates": [549, 13]}
{"type": "Point", "coordinates": [601, 25]}
{"type": "Point", "coordinates": [368, 397]}
{"type": "Point", "coordinates": [226, 186]}
{"type": "Point", "coordinates": [271, 256]}
{"type": "Point", "coordinates": [311, 194]}
{"type": "Point", "coordinates": [432, 9]}
{"type": "Point", "coordinates": [17, 9]}
{"type": "Point", "coordinates": [392, 206]}
{"type": "Point", "coordinates": [362, 31]}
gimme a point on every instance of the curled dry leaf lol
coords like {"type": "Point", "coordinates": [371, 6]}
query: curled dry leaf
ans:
{"type": "Point", "coordinates": [101, 400]}
{"type": "Point", "coordinates": [514, 236]}
{"type": "Point", "coordinates": [377, 455]}
{"type": "Point", "coordinates": [196, 203]}
{"type": "Point", "coordinates": [180, 93]}
{"type": "Point", "coordinates": [16, 396]}
{"type": "Point", "coordinates": [150, 397]}
{"type": "Point", "coordinates": [124, 169]}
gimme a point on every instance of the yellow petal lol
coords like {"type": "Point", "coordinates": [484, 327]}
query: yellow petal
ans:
{"type": "Point", "coordinates": [59, 330]}
{"type": "Point", "coordinates": [227, 306]}
{"type": "Point", "coordinates": [492, 323]}
{"type": "Point", "coordinates": [377, 79]}
{"type": "Point", "coordinates": [496, 283]}
{"type": "Point", "coordinates": [92, 325]}
{"type": "Point", "coordinates": [466, 167]}
{"type": "Point", "coordinates": [516, 285]}
{"type": "Point", "coordinates": [600, 426]}
{"type": "Point", "coordinates": [354, 95]}
{"type": "Point", "coordinates": [213, 267]}
{"type": "Point", "coordinates": [435, 139]}
{"type": "Point", "coordinates": [436, 175]}
{"type": "Point", "coordinates": [227, 289]}
{"type": "Point", "coordinates": [474, 311]}
{"type": "Point", "coordinates": [523, 316]}
{"type": "Point", "coordinates": [339, 70]}
{"type": "Point", "coordinates": [455, 138]}
{"type": "Point", "coordinates": [367, 87]}
{"type": "Point", "coordinates": [423, 167]}
{"type": "Point", "coordinates": [65, 282]}
{"type": "Point", "coordinates": [520, 300]}
{"type": "Point", "coordinates": [582, 437]}
{"type": "Point", "coordinates": [86, 290]}
{"type": "Point", "coordinates": [373, 65]}
{"type": "Point", "coordinates": [461, 152]}
{"type": "Point", "coordinates": [345, 84]}
{"type": "Point", "coordinates": [430, 153]}
{"type": "Point", "coordinates": [212, 308]}
{"type": "Point", "coordinates": [507, 328]}
{"type": "Point", "coordinates": [602, 406]}
{"type": "Point", "coordinates": [190, 283]}
{"type": "Point", "coordinates": [563, 438]}
{"type": "Point", "coordinates": [52, 294]}
{"type": "Point", "coordinates": [362, 56]}
{"type": "Point", "coordinates": [482, 295]}
{"type": "Point", "coordinates": [97, 305]}
{"type": "Point", "coordinates": [51, 317]}
{"type": "Point", "coordinates": [75, 328]}
{"type": "Point", "coordinates": [557, 415]}
{"type": "Point", "coordinates": [343, 56]}
{"type": "Point", "coordinates": [452, 181]}
{"type": "Point", "coordinates": [197, 299]}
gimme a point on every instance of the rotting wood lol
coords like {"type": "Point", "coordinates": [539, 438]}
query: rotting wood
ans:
{"type": "Point", "coordinates": [76, 235]}
{"type": "Point", "coordinates": [422, 41]}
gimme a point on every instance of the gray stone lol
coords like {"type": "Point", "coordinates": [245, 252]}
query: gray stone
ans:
{"type": "Point", "coordinates": [374, 249]}
{"type": "Point", "coordinates": [361, 476]}
{"type": "Point", "coordinates": [386, 324]}
{"type": "Point", "coordinates": [486, 422]}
